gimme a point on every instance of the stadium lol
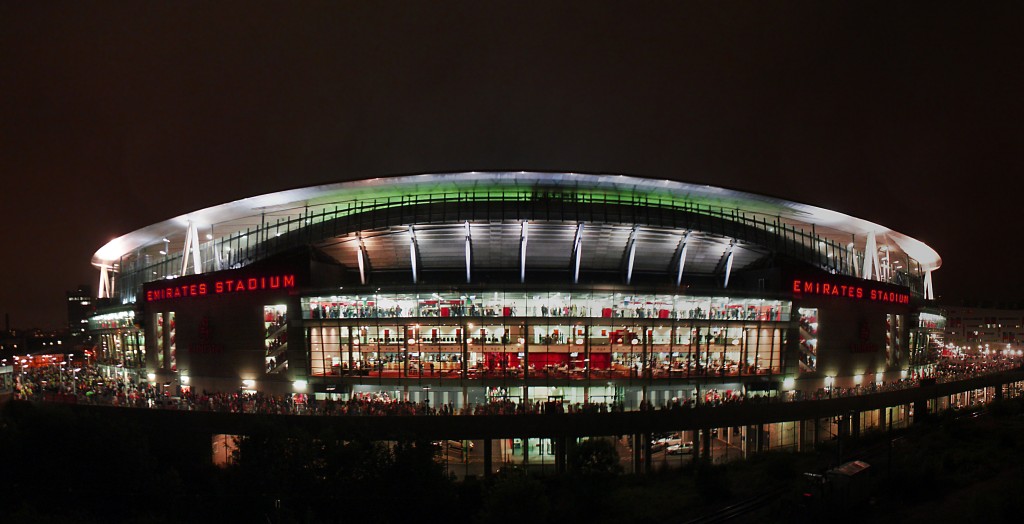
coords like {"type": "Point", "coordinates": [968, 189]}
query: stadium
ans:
{"type": "Point", "coordinates": [467, 288]}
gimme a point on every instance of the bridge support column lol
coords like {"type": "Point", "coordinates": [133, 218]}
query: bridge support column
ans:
{"type": "Point", "coordinates": [570, 447]}
{"type": "Point", "coordinates": [526, 451]}
{"type": "Point", "coordinates": [999, 392]}
{"type": "Point", "coordinates": [705, 439]}
{"type": "Point", "coordinates": [920, 410]}
{"type": "Point", "coordinates": [855, 424]}
{"type": "Point", "coordinates": [801, 436]}
{"type": "Point", "coordinates": [560, 453]}
{"type": "Point", "coordinates": [637, 462]}
{"type": "Point", "coordinates": [842, 433]}
{"type": "Point", "coordinates": [645, 439]}
{"type": "Point", "coordinates": [744, 440]}
{"type": "Point", "coordinates": [488, 467]}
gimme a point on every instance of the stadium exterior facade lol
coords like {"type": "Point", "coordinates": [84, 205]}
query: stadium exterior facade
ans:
{"type": "Point", "coordinates": [461, 288]}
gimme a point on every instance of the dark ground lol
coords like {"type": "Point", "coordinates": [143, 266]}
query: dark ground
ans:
{"type": "Point", "coordinates": [66, 467]}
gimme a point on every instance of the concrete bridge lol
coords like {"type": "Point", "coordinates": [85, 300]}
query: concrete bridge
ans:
{"type": "Point", "coordinates": [564, 428]}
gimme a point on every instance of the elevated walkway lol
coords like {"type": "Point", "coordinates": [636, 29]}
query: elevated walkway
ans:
{"type": "Point", "coordinates": [554, 425]}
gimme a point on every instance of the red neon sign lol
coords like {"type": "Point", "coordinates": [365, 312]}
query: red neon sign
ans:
{"type": "Point", "coordinates": [226, 286]}
{"type": "Point", "coordinates": [813, 287]}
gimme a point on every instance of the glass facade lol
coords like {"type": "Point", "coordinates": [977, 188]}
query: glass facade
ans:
{"type": "Point", "coordinates": [158, 332]}
{"type": "Point", "coordinates": [893, 336]}
{"type": "Point", "coordinates": [172, 345]}
{"type": "Point", "coordinates": [119, 342]}
{"type": "Point", "coordinates": [544, 335]}
{"type": "Point", "coordinates": [808, 339]}
{"type": "Point", "coordinates": [275, 330]}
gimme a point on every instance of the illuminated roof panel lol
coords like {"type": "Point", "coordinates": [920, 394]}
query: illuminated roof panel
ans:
{"type": "Point", "coordinates": [236, 216]}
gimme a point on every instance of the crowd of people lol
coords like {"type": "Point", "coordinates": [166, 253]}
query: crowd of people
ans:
{"type": "Point", "coordinates": [86, 385]}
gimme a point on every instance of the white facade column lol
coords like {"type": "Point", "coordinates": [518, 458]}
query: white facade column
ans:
{"type": "Point", "coordinates": [191, 245]}
{"type": "Point", "coordinates": [414, 255]}
{"type": "Point", "coordinates": [104, 289]}
{"type": "Point", "coordinates": [929, 286]}
{"type": "Point", "coordinates": [682, 259]}
{"type": "Point", "coordinates": [524, 237]}
{"type": "Point", "coordinates": [577, 248]}
{"type": "Point", "coordinates": [469, 253]}
{"type": "Point", "coordinates": [361, 259]}
{"type": "Point", "coordinates": [871, 265]}
{"type": "Point", "coordinates": [630, 255]}
{"type": "Point", "coordinates": [728, 265]}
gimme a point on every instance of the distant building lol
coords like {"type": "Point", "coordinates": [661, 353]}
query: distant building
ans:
{"type": "Point", "coordinates": [40, 342]}
{"type": "Point", "coordinates": [81, 305]}
{"type": "Point", "coordinates": [11, 343]}
{"type": "Point", "coordinates": [974, 329]}
{"type": "Point", "coordinates": [27, 342]}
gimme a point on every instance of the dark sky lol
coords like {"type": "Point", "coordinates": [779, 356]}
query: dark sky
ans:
{"type": "Point", "coordinates": [115, 115]}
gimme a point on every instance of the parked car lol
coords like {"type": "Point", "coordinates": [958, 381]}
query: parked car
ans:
{"type": "Point", "coordinates": [456, 445]}
{"type": "Point", "coordinates": [681, 448]}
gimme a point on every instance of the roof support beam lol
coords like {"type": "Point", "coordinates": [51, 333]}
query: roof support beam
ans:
{"type": "Point", "coordinates": [363, 259]}
{"type": "Point", "coordinates": [191, 245]}
{"type": "Point", "coordinates": [414, 255]}
{"type": "Point", "coordinates": [524, 236]}
{"type": "Point", "coordinates": [631, 254]}
{"type": "Point", "coordinates": [853, 258]}
{"type": "Point", "coordinates": [728, 264]}
{"type": "Point", "coordinates": [469, 253]}
{"type": "Point", "coordinates": [929, 287]}
{"type": "Point", "coordinates": [683, 244]}
{"type": "Point", "coordinates": [871, 259]}
{"type": "Point", "coordinates": [216, 252]}
{"type": "Point", "coordinates": [106, 285]}
{"type": "Point", "coordinates": [577, 248]}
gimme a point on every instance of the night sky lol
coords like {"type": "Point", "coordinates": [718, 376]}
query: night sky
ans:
{"type": "Point", "coordinates": [115, 115]}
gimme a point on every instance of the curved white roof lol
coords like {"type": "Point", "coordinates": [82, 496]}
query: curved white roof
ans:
{"type": "Point", "coordinates": [231, 217]}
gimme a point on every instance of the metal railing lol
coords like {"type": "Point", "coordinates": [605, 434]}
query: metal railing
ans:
{"type": "Point", "coordinates": [245, 247]}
